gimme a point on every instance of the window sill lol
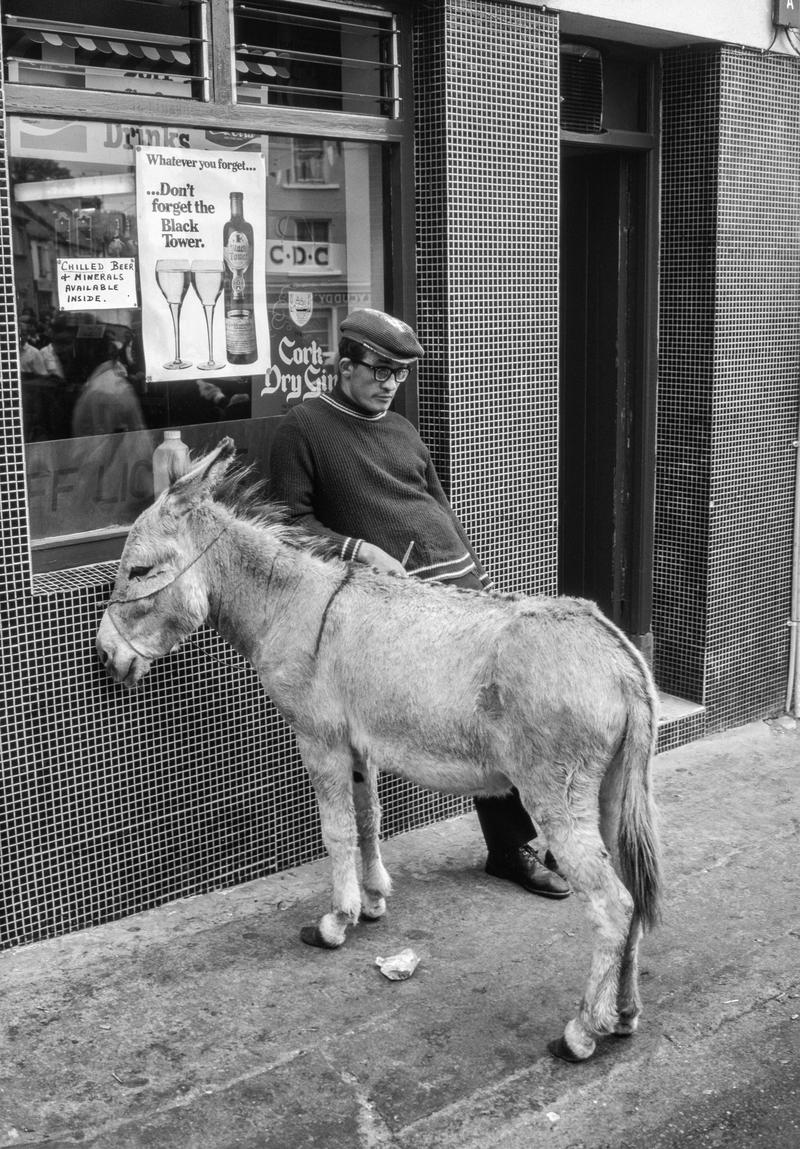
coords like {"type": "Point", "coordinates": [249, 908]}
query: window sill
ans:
{"type": "Point", "coordinates": [309, 185]}
{"type": "Point", "coordinates": [75, 579]}
{"type": "Point", "coordinates": [87, 559]}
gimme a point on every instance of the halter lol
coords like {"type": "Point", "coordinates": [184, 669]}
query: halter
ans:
{"type": "Point", "coordinates": [151, 594]}
{"type": "Point", "coordinates": [124, 637]}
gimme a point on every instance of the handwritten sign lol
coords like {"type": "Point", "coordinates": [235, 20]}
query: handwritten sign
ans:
{"type": "Point", "coordinates": [91, 283]}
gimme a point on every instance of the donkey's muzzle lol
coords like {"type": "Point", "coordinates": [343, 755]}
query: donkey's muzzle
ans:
{"type": "Point", "coordinates": [125, 665]}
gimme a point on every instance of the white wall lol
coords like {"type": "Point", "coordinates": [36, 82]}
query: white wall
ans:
{"type": "Point", "coordinates": [664, 23]}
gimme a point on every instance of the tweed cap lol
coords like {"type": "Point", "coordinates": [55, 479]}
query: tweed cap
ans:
{"type": "Point", "coordinates": [383, 334]}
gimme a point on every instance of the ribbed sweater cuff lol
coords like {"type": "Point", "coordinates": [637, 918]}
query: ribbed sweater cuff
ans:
{"type": "Point", "coordinates": [350, 549]}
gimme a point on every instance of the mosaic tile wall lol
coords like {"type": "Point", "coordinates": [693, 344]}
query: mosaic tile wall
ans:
{"type": "Point", "coordinates": [115, 802]}
{"type": "Point", "coordinates": [689, 140]}
{"type": "Point", "coordinates": [487, 275]}
{"type": "Point", "coordinates": [728, 387]}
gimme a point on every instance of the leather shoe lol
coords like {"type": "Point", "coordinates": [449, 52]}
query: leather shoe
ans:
{"type": "Point", "coordinates": [523, 867]}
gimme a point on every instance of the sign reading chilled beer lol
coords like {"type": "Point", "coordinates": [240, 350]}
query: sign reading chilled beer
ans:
{"type": "Point", "coordinates": [202, 236]}
{"type": "Point", "coordinates": [96, 282]}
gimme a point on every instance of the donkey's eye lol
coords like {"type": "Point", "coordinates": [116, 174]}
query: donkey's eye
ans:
{"type": "Point", "coordinates": [139, 572]}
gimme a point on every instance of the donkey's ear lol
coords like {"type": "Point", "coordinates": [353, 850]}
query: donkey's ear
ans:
{"type": "Point", "coordinates": [206, 475]}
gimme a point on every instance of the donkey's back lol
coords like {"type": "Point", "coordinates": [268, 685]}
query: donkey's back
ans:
{"type": "Point", "coordinates": [463, 686]}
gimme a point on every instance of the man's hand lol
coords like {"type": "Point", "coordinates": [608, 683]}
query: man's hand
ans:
{"type": "Point", "coordinates": [376, 557]}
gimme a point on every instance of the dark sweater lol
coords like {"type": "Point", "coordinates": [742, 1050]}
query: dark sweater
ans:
{"type": "Point", "coordinates": [354, 476]}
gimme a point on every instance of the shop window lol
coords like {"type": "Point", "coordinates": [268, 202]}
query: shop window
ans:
{"type": "Point", "coordinates": [306, 56]}
{"type": "Point", "coordinates": [312, 162]}
{"type": "Point", "coordinates": [312, 230]}
{"type": "Point", "coordinates": [116, 230]}
{"type": "Point", "coordinates": [144, 47]}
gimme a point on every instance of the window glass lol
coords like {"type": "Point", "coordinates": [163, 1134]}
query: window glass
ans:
{"type": "Point", "coordinates": [147, 47]}
{"type": "Point", "coordinates": [94, 408]}
{"type": "Point", "coordinates": [306, 56]}
{"type": "Point", "coordinates": [325, 256]}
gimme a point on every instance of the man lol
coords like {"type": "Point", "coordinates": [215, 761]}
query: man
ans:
{"type": "Point", "coordinates": [351, 469]}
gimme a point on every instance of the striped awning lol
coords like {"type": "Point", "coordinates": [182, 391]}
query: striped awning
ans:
{"type": "Point", "coordinates": [259, 62]}
{"type": "Point", "coordinates": [125, 49]}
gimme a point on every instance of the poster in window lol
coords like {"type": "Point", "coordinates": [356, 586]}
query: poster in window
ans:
{"type": "Point", "coordinates": [202, 238]}
{"type": "Point", "coordinates": [303, 353]}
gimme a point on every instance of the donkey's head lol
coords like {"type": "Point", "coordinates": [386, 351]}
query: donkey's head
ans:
{"type": "Point", "coordinates": [160, 594]}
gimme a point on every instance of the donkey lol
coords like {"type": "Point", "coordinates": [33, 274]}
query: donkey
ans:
{"type": "Point", "coordinates": [455, 690]}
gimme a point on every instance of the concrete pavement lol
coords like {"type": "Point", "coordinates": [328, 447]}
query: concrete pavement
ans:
{"type": "Point", "coordinates": [206, 1024]}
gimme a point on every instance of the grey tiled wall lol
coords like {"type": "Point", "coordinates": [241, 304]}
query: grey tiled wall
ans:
{"type": "Point", "coordinates": [728, 386]}
{"type": "Point", "coordinates": [487, 178]}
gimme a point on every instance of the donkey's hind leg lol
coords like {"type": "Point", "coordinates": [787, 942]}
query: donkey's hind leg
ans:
{"type": "Point", "coordinates": [576, 842]}
{"type": "Point", "coordinates": [376, 885]}
{"type": "Point", "coordinates": [628, 1001]}
{"type": "Point", "coordinates": [330, 771]}
{"type": "Point", "coordinates": [609, 907]}
{"type": "Point", "coordinates": [629, 1004]}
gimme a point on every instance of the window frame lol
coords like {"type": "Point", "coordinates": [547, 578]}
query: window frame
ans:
{"type": "Point", "coordinates": [221, 112]}
{"type": "Point", "coordinates": [197, 81]}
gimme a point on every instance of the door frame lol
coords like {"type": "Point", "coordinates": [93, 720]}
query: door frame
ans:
{"type": "Point", "coordinates": [642, 360]}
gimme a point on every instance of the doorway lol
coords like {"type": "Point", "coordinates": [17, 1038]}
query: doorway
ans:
{"type": "Point", "coordinates": [607, 383]}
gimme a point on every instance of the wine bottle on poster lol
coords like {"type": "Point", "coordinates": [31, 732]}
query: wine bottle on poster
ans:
{"type": "Point", "coordinates": [240, 325]}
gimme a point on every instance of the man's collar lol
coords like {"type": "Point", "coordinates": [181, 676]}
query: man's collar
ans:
{"type": "Point", "coordinates": [337, 398]}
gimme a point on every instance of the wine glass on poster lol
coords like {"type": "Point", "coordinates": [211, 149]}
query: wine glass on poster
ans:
{"type": "Point", "coordinates": [172, 277]}
{"type": "Point", "coordinates": [207, 280]}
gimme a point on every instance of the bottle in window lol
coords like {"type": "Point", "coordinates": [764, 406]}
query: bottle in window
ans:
{"type": "Point", "coordinates": [170, 461]}
{"type": "Point", "coordinates": [240, 326]}
{"type": "Point", "coordinates": [116, 245]}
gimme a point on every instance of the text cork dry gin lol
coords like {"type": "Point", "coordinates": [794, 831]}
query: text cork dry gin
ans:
{"type": "Point", "coordinates": [240, 327]}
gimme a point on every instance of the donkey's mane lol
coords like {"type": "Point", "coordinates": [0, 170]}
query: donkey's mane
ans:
{"type": "Point", "coordinates": [245, 493]}
{"type": "Point", "coordinates": [247, 498]}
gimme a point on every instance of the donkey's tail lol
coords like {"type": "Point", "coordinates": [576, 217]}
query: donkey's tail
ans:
{"type": "Point", "coordinates": [638, 846]}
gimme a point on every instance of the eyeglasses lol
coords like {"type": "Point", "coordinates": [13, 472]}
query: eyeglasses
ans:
{"type": "Point", "coordinates": [382, 374]}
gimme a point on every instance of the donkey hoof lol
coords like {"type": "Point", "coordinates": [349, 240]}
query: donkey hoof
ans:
{"type": "Point", "coordinates": [365, 917]}
{"type": "Point", "coordinates": [627, 1025]}
{"type": "Point", "coordinates": [313, 936]}
{"type": "Point", "coordinates": [562, 1051]}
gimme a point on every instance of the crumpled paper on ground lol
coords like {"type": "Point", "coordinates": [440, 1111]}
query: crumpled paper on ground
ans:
{"type": "Point", "coordinates": [398, 967]}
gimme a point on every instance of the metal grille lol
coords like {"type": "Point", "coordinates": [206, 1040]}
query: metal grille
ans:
{"type": "Point", "coordinates": [581, 89]}
{"type": "Point", "coordinates": [331, 58]}
{"type": "Point", "coordinates": [153, 49]}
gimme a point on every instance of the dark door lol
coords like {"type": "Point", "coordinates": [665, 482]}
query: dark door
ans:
{"type": "Point", "coordinates": [606, 432]}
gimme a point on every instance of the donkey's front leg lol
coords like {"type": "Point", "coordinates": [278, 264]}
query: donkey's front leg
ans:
{"type": "Point", "coordinates": [330, 772]}
{"type": "Point", "coordinates": [376, 885]}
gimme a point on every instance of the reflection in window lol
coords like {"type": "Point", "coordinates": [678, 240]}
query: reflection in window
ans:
{"type": "Point", "coordinates": [146, 47]}
{"type": "Point", "coordinates": [91, 417]}
{"type": "Point", "coordinates": [310, 165]}
{"type": "Point", "coordinates": [304, 56]}
{"type": "Point", "coordinates": [325, 257]}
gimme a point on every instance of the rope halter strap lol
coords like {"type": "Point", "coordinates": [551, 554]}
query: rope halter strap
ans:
{"type": "Point", "coordinates": [117, 601]}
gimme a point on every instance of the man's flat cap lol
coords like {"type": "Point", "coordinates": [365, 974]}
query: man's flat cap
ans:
{"type": "Point", "coordinates": [383, 334]}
